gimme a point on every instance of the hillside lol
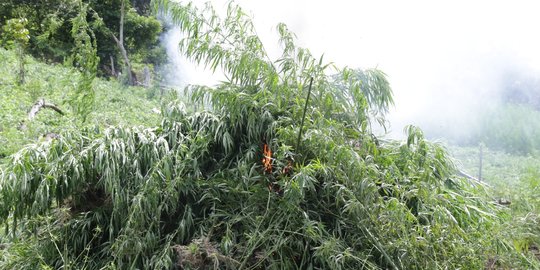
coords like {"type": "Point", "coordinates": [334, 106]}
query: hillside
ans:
{"type": "Point", "coordinates": [115, 105]}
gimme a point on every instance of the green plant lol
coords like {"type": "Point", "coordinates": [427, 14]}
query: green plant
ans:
{"type": "Point", "coordinates": [50, 23]}
{"type": "Point", "coordinates": [193, 192]}
{"type": "Point", "coordinates": [513, 128]}
{"type": "Point", "coordinates": [513, 180]}
{"type": "Point", "coordinates": [85, 59]}
{"type": "Point", "coordinates": [16, 35]}
{"type": "Point", "coordinates": [55, 84]}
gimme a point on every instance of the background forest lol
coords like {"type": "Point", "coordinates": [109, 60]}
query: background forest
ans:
{"type": "Point", "coordinates": [103, 166]}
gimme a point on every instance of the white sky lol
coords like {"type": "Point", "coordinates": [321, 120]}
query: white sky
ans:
{"type": "Point", "coordinates": [442, 57]}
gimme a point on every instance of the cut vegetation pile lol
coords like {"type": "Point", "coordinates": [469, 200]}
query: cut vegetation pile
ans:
{"type": "Point", "coordinates": [225, 183]}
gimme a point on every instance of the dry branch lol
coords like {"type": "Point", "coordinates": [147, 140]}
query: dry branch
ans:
{"type": "Point", "coordinates": [41, 103]}
{"type": "Point", "coordinates": [470, 177]}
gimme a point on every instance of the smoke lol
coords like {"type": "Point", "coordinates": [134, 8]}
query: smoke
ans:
{"type": "Point", "coordinates": [448, 62]}
{"type": "Point", "coordinates": [174, 73]}
{"type": "Point", "coordinates": [179, 71]}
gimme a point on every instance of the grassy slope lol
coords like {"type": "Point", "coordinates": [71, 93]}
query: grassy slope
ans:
{"type": "Point", "coordinates": [115, 104]}
{"type": "Point", "coordinates": [504, 172]}
{"type": "Point", "coordinates": [514, 179]}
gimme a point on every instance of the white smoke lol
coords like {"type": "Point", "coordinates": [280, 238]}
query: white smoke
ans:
{"type": "Point", "coordinates": [174, 73]}
{"type": "Point", "coordinates": [446, 61]}
{"type": "Point", "coordinates": [179, 71]}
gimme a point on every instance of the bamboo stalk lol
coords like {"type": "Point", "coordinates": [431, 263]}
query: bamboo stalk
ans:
{"type": "Point", "coordinates": [304, 115]}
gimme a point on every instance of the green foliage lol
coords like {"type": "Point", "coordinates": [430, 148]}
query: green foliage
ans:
{"type": "Point", "coordinates": [114, 105]}
{"type": "Point", "coordinates": [513, 128]}
{"type": "Point", "coordinates": [192, 192]}
{"type": "Point", "coordinates": [50, 25]}
{"type": "Point", "coordinates": [140, 33]}
{"type": "Point", "coordinates": [371, 84]}
{"type": "Point", "coordinates": [515, 184]}
{"type": "Point", "coordinates": [15, 33]}
{"type": "Point", "coordinates": [16, 36]}
{"type": "Point", "coordinates": [85, 59]}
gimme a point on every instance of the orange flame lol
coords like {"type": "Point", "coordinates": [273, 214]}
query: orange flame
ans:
{"type": "Point", "coordinates": [267, 159]}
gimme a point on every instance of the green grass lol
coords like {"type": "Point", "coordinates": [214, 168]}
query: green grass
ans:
{"type": "Point", "coordinates": [115, 104]}
{"type": "Point", "coordinates": [507, 127]}
{"type": "Point", "coordinates": [498, 167]}
{"type": "Point", "coordinates": [513, 128]}
{"type": "Point", "coordinates": [513, 179]}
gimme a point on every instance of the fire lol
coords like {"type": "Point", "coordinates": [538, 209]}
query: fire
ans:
{"type": "Point", "coordinates": [267, 159]}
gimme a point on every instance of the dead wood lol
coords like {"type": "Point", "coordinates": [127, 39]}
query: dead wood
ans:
{"type": "Point", "coordinates": [41, 103]}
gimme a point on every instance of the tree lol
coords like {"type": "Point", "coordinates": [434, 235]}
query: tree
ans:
{"type": "Point", "coordinates": [143, 7]}
{"type": "Point", "coordinates": [49, 25]}
{"type": "Point", "coordinates": [132, 80]}
{"type": "Point", "coordinates": [16, 36]}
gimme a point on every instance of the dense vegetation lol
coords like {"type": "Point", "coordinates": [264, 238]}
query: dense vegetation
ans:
{"type": "Point", "coordinates": [514, 181]}
{"type": "Point", "coordinates": [513, 128]}
{"type": "Point", "coordinates": [276, 167]}
{"type": "Point", "coordinates": [49, 24]}
{"type": "Point", "coordinates": [114, 104]}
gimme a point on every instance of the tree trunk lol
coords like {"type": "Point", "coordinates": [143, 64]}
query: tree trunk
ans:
{"type": "Point", "coordinates": [147, 77]}
{"type": "Point", "coordinates": [120, 43]}
{"type": "Point", "coordinates": [113, 70]}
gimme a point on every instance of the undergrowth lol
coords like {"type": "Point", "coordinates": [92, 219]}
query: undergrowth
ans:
{"type": "Point", "coordinates": [515, 183]}
{"type": "Point", "coordinates": [114, 104]}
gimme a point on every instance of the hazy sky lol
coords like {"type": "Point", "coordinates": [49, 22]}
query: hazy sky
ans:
{"type": "Point", "coordinates": [444, 59]}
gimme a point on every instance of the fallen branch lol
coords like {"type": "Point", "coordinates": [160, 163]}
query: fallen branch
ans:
{"type": "Point", "coordinates": [42, 104]}
{"type": "Point", "coordinates": [470, 177]}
